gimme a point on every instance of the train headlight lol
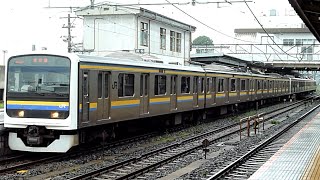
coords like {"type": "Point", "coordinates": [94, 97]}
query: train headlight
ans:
{"type": "Point", "coordinates": [54, 115]}
{"type": "Point", "coordinates": [21, 114]}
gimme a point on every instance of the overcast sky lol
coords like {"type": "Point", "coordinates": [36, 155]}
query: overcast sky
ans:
{"type": "Point", "coordinates": [24, 23]}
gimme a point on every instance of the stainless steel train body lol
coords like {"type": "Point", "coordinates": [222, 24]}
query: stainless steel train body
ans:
{"type": "Point", "coordinates": [52, 101]}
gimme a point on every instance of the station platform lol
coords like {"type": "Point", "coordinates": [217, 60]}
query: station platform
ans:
{"type": "Point", "coordinates": [299, 158]}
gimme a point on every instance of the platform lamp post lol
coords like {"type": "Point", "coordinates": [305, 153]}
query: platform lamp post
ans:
{"type": "Point", "coordinates": [4, 56]}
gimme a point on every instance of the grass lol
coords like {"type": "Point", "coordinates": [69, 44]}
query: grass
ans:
{"type": "Point", "coordinates": [275, 122]}
{"type": "Point", "coordinates": [1, 105]}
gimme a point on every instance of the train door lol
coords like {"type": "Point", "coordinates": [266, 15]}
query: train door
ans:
{"type": "Point", "coordinates": [85, 97]}
{"type": "Point", "coordinates": [144, 94]}
{"type": "Point", "coordinates": [103, 106]}
{"type": "Point", "coordinates": [173, 93]}
{"type": "Point", "coordinates": [195, 91]}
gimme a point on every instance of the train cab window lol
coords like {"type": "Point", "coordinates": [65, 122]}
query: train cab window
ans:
{"type": "Point", "coordinates": [220, 85]}
{"type": "Point", "coordinates": [208, 85]}
{"type": "Point", "coordinates": [243, 85]}
{"type": "Point", "coordinates": [126, 85]}
{"type": "Point", "coordinates": [160, 85]}
{"type": "Point", "coordinates": [233, 85]}
{"type": "Point", "coordinates": [185, 84]}
{"type": "Point", "coordinates": [100, 85]}
{"type": "Point", "coordinates": [270, 85]}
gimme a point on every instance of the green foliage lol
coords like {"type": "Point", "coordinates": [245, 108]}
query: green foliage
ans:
{"type": "Point", "coordinates": [1, 105]}
{"type": "Point", "coordinates": [202, 40]}
{"type": "Point", "coordinates": [275, 122]}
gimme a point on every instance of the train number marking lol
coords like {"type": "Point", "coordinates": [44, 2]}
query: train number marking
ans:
{"type": "Point", "coordinates": [115, 85]}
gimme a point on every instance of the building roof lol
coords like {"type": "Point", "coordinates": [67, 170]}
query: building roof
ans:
{"type": "Point", "coordinates": [309, 11]}
{"type": "Point", "coordinates": [273, 30]}
{"type": "Point", "coordinates": [107, 9]}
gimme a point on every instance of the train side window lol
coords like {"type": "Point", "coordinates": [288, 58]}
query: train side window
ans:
{"type": "Point", "coordinates": [233, 85]}
{"type": "Point", "coordinates": [208, 85]}
{"type": "Point", "coordinates": [160, 85]}
{"type": "Point", "coordinates": [220, 85]}
{"type": "Point", "coordinates": [126, 85]}
{"type": "Point", "coordinates": [185, 84]}
{"type": "Point", "coordinates": [100, 85]}
{"type": "Point", "coordinates": [243, 85]}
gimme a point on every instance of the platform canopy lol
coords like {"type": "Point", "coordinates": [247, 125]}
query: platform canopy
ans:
{"type": "Point", "coordinates": [309, 12]}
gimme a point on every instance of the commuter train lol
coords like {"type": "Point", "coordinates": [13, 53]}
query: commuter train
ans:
{"type": "Point", "coordinates": [56, 101]}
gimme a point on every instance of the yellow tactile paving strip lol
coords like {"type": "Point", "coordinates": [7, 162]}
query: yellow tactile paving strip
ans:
{"type": "Point", "coordinates": [299, 158]}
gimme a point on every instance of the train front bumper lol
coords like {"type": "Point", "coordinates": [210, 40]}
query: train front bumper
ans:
{"type": "Point", "coordinates": [61, 145]}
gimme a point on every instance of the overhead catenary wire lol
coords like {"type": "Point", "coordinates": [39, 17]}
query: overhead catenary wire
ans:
{"type": "Point", "coordinates": [266, 31]}
{"type": "Point", "coordinates": [206, 24]}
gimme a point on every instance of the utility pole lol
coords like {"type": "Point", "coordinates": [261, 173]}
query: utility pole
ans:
{"type": "Point", "coordinates": [69, 37]}
{"type": "Point", "coordinates": [4, 56]}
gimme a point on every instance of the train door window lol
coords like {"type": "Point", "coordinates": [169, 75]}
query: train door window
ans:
{"type": "Point", "coordinates": [220, 85]}
{"type": "Point", "coordinates": [243, 85]}
{"type": "Point", "coordinates": [213, 84]}
{"type": "Point", "coordinates": [160, 85]}
{"type": "Point", "coordinates": [233, 85]}
{"type": "Point", "coordinates": [202, 85]}
{"type": "Point", "coordinates": [195, 84]}
{"type": "Point", "coordinates": [126, 85]}
{"type": "Point", "coordinates": [185, 84]}
{"type": "Point", "coordinates": [146, 88]}
{"type": "Point", "coordinates": [259, 84]}
{"type": "Point", "coordinates": [208, 85]}
{"type": "Point", "coordinates": [265, 84]}
{"type": "Point", "coordinates": [173, 88]}
{"type": "Point", "coordinates": [141, 85]}
{"type": "Point", "coordinates": [100, 85]}
{"type": "Point", "coordinates": [106, 85]}
{"type": "Point", "coordinates": [85, 82]}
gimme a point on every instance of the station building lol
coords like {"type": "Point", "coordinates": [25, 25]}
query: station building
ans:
{"type": "Point", "coordinates": [137, 33]}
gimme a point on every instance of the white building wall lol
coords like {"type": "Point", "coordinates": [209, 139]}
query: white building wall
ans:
{"type": "Point", "coordinates": [105, 34]}
{"type": "Point", "coordinates": [166, 55]}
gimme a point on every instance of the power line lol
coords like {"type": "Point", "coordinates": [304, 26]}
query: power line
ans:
{"type": "Point", "coordinates": [266, 31]}
{"type": "Point", "coordinates": [206, 24]}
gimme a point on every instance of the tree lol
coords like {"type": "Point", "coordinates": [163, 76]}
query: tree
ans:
{"type": "Point", "coordinates": [202, 40]}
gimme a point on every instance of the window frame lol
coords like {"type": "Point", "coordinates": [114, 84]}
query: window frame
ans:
{"type": "Point", "coordinates": [144, 34]}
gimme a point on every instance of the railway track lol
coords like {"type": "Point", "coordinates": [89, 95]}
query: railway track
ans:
{"type": "Point", "coordinates": [29, 160]}
{"type": "Point", "coordinates": [250, 162]}
{"type": "Point", "coordinates": [137, 166]}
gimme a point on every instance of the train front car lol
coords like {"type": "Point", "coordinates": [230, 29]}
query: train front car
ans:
{"type": "Point", "coordinates": [40, 89]}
